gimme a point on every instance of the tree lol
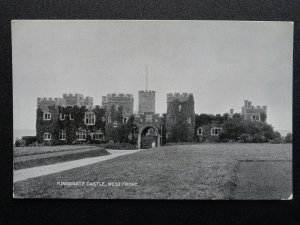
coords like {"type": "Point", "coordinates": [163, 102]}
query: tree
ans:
{"type": "Point", "coordinates": [237, 117]}
{"type": "Point", "coordinates": [112, 133]}
{"type": "Point", "coordinates": [232, 129]}
{"type": "Point", "coordinates": [288, 138]}
{"type": "Point", "coordinates": [276, 135]}
{"type": "Point", "coordinates": [263, 117]}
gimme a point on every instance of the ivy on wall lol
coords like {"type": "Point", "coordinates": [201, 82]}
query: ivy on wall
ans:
{"type": "Point", "coordinates": [55, 125]}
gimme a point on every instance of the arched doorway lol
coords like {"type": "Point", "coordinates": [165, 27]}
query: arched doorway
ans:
{"type": "Point", "coordinates": [143, 132]}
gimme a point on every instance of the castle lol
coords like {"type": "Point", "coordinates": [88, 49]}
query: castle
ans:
{"type": "Point", "coordinates": [74, 119]}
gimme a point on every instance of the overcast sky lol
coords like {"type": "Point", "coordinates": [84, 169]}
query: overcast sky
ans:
{"type": "Point", "coordinates": [221, 63]}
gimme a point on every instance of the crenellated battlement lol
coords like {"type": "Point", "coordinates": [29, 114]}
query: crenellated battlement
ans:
{"type": "Point", "coordinates": [147, 91]}
{"type": "Point", "coordinates": [50, 102]}
{"type": "Point", "coordinates": [249, 108]}
{"type": "Point", "coordinates": [73, 96]}
{"type": "Point", "coordinates": [118, 97]}
{"type": "Point", "coordinates": [182, 97]}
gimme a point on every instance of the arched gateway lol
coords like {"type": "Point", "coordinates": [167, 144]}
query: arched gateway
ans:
{"type": "Point", "coordinates": [149, 127]}
{"type": "Point", "coordinates": [145, 128]}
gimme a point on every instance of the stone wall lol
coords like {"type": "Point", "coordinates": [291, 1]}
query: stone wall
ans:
{"type": "Point", "coordinates": [119, 100]}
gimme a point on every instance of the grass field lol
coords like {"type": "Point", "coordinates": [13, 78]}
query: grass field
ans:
{"type": "Point", "coordinates": [208, 171]}
{"type": "Point", "coordinates": [26, 157]}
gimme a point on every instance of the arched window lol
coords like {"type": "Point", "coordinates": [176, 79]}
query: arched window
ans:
{"type": "Point", "coordinates": [199, 131]}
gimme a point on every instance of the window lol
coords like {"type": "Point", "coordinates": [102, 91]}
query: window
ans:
{"type": "Point", "coordinates": [61, 116]}
{"type": "Point", "coordinates": [98, 137]}
{"type": "Point", "coordinates": [71, 116]}
{"type": "Point", "coordinates": [125, 119]}
{"type": "Point", "coordinates": [173, 119]}
{"type": "Point", "coordinates": [47, 116]}
{"type": "Point", "coordinates": [90, 119]}
{"type": "Point", "coordinates": [200, 131]}
{"type": "Point", "coordinates": [179, 108]}
{"type": "Point", "coordinates": [62, 135]}
{"type": "Point", "coordinates": [47, 136]}
{"type": "Point", "coordinates": [81, 135]}
{"type": "Point", "coordinates": [215, 131]}
{"type": "Point", "coordinates": [109, 119]}
{"type": "Point", "coordinates": [189, 120]}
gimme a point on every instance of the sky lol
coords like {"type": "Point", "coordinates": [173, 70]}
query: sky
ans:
{"type": "Point", "coordinates": [221, 62]}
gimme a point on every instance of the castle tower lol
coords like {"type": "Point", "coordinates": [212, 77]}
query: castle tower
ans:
{"type": "Point", "coordinates": [146, 101]}
{"type": "Point", "coordinates": [119, 100]}
{"type": "Point", "coordinates": [180, 110]}
{"type": "Point", "coordinates": [254, 113]}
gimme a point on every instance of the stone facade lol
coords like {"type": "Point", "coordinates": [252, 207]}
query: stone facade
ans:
{"type": "Point", "coordinates": [180, 109]}
{"type": "Point", "coordinates": [149, 126]}
{"type": "Point", "coordinates": [254, 113]}
{"type": "Point", "coordinates": [146, 101]}
{"type": "Point", "coordinates": [74, 119]}
{"type": "Point", "coordinates": [208, 133]}
{"type": "Point", "coordinates": [68, 125]}
{"type": "Point", "coordinates": [119, 100]}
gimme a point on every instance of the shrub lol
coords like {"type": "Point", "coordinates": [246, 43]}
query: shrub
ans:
{"type": "Point", "coordinates": [120, 146]}
{"type": "Point", "coordinates": [278, 140]}
{"type": "Point", "coordinates": [18, 142]}
{"type": "Point", "coordinates": [225, 140]}
{"type": "Point", "coordinates": [258, 138]}
{"type": "Point", "coordinates": [29, 140]}
{"type": "Point", "coordinates": [245, 138]}
{"type": "Point", "coordinates": [33, 144]}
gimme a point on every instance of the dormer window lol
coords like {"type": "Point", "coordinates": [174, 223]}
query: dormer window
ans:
{"type": "Point", "coordinates": [47, 116]}
{"type": "Point", "coordinates": [71, 116]}
{"type": "Point", "coordinates": [62, 116]}
{"type": "Point", "coordinates": [90, 118]}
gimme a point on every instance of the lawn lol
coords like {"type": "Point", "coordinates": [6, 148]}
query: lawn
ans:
{"type": "Point", "coordinates": [206, 171]}
{"type": "Point", "coordinates": [34, 160]}
{"type": "Point", "coordinates": [22, 151]}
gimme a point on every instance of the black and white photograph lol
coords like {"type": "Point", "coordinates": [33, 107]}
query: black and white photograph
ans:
{"type": "Point", "coordinates": [152, 109]}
